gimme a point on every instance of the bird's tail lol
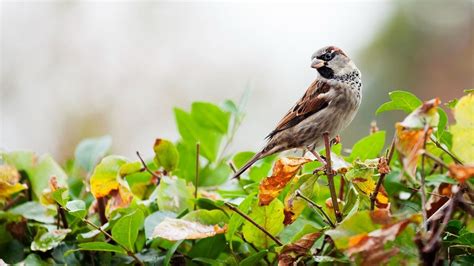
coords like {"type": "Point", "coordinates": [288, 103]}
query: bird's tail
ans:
{"type": "Point", "coordinates": [255, 158]}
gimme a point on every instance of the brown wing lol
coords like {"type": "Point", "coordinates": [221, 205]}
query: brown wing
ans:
{"type": "Point", "coordinates": [311, 102]}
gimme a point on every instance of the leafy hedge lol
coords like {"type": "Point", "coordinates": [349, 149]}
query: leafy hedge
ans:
{"type": "Point", "coordinates": [408, 201]}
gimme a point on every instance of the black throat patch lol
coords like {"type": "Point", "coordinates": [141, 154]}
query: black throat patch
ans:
{"type": "Point", "coordinates": [326, 72]}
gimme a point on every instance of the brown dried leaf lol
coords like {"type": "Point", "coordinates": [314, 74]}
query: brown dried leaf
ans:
{"type": "Point", "coordinates": [283, 171]}
{"type": "Point", "coordinates": [291, 252]}
{"type": "Point", "coordinates": [376, 239]}
{"type": "Point", "coordinates": [178, 229]}
{"type": "Point", "coordinates": [461, 172]}
{"type": "Point", "coordinates": [438, 199]}
{"type": "Point", "coordinates": [383, 167]}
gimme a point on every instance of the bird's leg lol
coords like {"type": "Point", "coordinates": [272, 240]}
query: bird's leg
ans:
{"type": "Point", "coordinates": [319, 158]}
{"type": "Point", "coordinates": [336, 140]}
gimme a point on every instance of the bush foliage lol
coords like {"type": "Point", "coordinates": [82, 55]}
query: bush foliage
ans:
{"type": "Point", "coordinates": [406, 201]}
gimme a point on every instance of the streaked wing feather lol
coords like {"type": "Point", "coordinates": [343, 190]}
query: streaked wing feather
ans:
{"type": "Point", "coordinates": [312, 101]}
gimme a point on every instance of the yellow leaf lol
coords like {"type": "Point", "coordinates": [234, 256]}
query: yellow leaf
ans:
{"type": "Point", "coordinates": [283, 171]}
{"type": "Point", "coordinates": [9, 185]}
{"type": "Point", "coordinates": [104, 177]}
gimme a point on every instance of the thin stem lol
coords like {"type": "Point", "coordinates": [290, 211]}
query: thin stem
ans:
{"type": "Point", "coordinates": [436, 236]}
{"type": "Point", "coordinates": [422, 173]}
{"type": "Point", "coordinates": [328, 219]}
{"type": "Point", "coordinates": [233, 168]}
{"type": "Point", "coordinates": [246, 217]}
{"type": "Point", "coordinates": [436, 159]}
{"type": "Point", "coordinates": [196, 184]}
{"type": "Point", "coordinates": [129, 252]}
{"type": "Point", "coordinates": [341, 188]}
{"type": "Point", "coordinates": [148, 169]}
{"type": "Point", "coordinates": [63, 216]}
{"type": "Point", "coordinates": [373, 197]}
{"type": "Point", "coordinates": [330, 175]}
{"type": "Point", "coordinates": [446, 151]}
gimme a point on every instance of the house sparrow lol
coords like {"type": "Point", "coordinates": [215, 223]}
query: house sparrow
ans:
{"type": "Point", "coordinates": [329, 105]}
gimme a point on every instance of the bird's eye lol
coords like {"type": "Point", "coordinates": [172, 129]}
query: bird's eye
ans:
{"type": "Point", "coordinates": [328, 56]}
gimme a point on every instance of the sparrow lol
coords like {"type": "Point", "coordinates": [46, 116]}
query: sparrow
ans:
{"type": "Point", "coordinates": [329, 105]}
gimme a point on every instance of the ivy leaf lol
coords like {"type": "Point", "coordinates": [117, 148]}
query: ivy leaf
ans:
{"type": "Point", "coordinates": [400, 100]}
{"type": "Point", "coordinates": [463, 130]}
{"type": "Point", "coordinates": [90, 151]}
{"type": "Point", "coordinates": [166, 154]}
{"type": "Point", "coordinates": [269, 217]}
{"type": "Point", "coordinates": [104, 177]}
{"type": "Point", "coordinates": [368, 147]}
{"type": "Point", "coordinates": [283, 171]}
{"type": "Point", "coordinates": [125, 230]}
{"type": "Point", "coordinates": [101, 246]}
{"type": "Point", "coordinates": [210, 116]}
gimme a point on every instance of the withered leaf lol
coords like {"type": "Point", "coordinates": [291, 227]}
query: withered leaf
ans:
{"type": "Point", "coordinates": [283, 171]}
{"type": "Point", "coordinates": [438, 199]}
{"type": "Point", "coordinates": [461, 172]}
{"type": "Point", "coordinates": [178, 229]}
{"type": "Point", "coordinates": [291, 252]}
{"type": "Point", "coordinates": [9, 185]}
{"type": "Point", "coordinates": [294, 205]}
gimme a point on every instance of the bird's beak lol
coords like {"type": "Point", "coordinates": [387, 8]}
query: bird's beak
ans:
{"type": "Point", "coordinates": [317, 63]}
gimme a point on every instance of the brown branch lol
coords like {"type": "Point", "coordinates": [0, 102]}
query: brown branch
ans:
{"type": "Point", "coordinates": [101, 210]}
{"type": "Point", "coordinates": [148, 169]}
{"type": "Point", "coordinates": [312, 203]}
{"type": "Point", "coordinates": [422, 173]}
{"type": "Point", "coordinates": [341, 188]}
{"type": "Point", "coordinates": [246, 217]}
{"type": "Point", "coordinates": [233, 168]}
{"type": "Point", "coordinates": [373, 197]}
{"type": "Point", "coordinates": [62, 214]}
{"type": "Point", "coordinates": [446, 151]}
{"type": "Point", "coordinates": [330, 175]}
{"type": "Point", "coordinates": [129, 252]}
{"type": "Point", "coordinates": [196, 184]}
{"type": "Point", "coordinates": [436, 236]}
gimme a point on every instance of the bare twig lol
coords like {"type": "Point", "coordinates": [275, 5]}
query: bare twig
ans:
{"type": "Point", "coordinates": [246, 217]}
{"type": "Point", "coordinates": [373, 197]}
{"type": "Point", "coordinates": [422, 172]}
{"type": "Point", "coordinates": [148, 169]}
{"type": "Point", "coordinates": [436, 159]}
{"type": "Point", "coordinates": [312, 203]}
{"type": "Point", "coordinates": [436, 236]}
{"type": "Point", "coordinates": [330, 175]}
{"type": "Point", "coordinates": [233, 168]}
{"type": "Point", "coordinates": [196, 184]}
{"type": "Point", "coordinates": [129, 252]}
{"type": "Point", "coordinates": [456, 159]}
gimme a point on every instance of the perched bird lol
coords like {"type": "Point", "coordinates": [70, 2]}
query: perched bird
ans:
{"type": "Point", "coordinates": [329, 105]}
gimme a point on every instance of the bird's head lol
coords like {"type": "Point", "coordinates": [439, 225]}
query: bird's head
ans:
{"type": "Point", "coordinates": [332, 62]}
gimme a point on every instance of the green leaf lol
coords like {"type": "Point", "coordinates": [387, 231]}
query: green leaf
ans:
{"type": "Point", "coordinates": [154, 219]}
{"type": "Point", "coordinates": [22, 160]}
{"type": "Point", "coordinates": [125, 230]}
{"type": "Point", "coordinates": [437, 179]}
{"type": "Point", "coordinates": [89, 151]}
{"type": "Point", "coordinates": [400, 100]}
{"type": "Point", "coordinates": [443, 121]}
{"type": "Point", "coordinates": [192, 132]}
{"type": "Point", "coordinates": [35, 260]}
{"type": "Point", "coordinates": [77, 208]}
{"type": "Point", "coordinates": [174, 195]}
{"type": "Point", "coordinates": [61, 196]}
{"type": "Point", "coordinates": [269, 217]}
{"type": "Point", "coordinates": [166, 154]}
{"type": "Point", "coordinates": [35, 211]}
{"type": "Point", "coordinates": [368, 147]}
{"type": "Point", "coordinates": [45, 240]}
{"type": "Point", "coordinates": [207, 217]}
{"type": "Point", "coordinates": [210, 247]}
{"type": "Point", "coordinates": [46, 168]}
{"type": "Point", "coordinates": [130, 168]}
{"type": "Point", "coordinates": [254, 259]}
{"type": "Point", "coordinates": [210, 116]}
{"type": "Point", "coordinates": [101, 246]}
{"type": "Point", "coordinates": [236, 220]}
{"type": "Point", "coordinates": [171, 251]}
{"type": "Point", "coordinates": [451, 104]}
{"type": "Point", "coordinates": [241, 158]}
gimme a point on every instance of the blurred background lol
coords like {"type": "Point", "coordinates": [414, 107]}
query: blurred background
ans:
{"type": "Point", "coordinates": [71, 69]}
